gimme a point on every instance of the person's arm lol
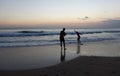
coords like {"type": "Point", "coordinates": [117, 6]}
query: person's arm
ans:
{"type": "Point", "coordinates": [64, 33]}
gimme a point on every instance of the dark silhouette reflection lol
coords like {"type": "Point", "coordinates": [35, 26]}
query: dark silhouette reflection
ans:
{"type": "Point", "coordinates": [78, 47]}
{"type": "Point", "coordinates": [63, 53]}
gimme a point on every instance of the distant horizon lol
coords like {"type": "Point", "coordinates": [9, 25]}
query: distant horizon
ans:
{"type": "Point", "coordinates": [59, 27]}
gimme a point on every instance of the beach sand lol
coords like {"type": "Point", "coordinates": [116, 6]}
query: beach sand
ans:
{"type": "Point", "coordinates": [95, 59]}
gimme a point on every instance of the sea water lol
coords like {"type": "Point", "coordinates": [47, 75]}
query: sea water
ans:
{"type": "Point", "coordinates": [43, 37]}
{"type": "Point", "coordinates": [15, 53]}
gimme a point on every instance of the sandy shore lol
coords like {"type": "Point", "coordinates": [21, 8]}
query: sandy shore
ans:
{"type": "Point", "coordinates": [81, 66]}
{"type": "Point", "coordinates": [91, 65]}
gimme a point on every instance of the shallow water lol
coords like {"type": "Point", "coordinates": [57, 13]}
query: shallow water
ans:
{"type": "Point", "coordinates": [22, 58]}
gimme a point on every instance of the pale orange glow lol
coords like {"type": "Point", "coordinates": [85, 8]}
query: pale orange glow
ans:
{"type": "Point", "coordinates": [68, 21]}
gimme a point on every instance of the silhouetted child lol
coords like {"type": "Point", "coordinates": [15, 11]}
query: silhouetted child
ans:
{"type": "Point", "coordinates": [78, 36]}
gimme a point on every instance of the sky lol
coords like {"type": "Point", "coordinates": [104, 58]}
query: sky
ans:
{"type": "Point", "coordinates": [85, 13]}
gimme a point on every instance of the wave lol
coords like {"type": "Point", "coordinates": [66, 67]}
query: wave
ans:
{"type": "Point", "coordinates": [24, 43]}
{"type": "Point", "coordinates": [46, 33]}
{"type": "Point", "coordinates": [25, 33]}
{"type": "Point", "coordinates": [42, 37]}
{"type": "Point", "coordinates": [31, 31]}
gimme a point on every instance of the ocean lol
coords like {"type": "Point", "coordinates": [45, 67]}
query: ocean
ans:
{"type": "Point", "coordinates": [44, 37]}
{"type": "Point", "coordinates": [24, 57]}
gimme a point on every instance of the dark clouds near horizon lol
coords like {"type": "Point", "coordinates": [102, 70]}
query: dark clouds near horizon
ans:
{"type": "Point", "coordinates": [112, 23]}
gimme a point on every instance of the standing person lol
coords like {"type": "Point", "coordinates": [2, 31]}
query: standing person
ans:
{"type": "Point", "coordinates": [62, 40]}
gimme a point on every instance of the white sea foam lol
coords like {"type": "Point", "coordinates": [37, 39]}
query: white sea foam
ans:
{"type": "Point", "coordinates": [40, 37]}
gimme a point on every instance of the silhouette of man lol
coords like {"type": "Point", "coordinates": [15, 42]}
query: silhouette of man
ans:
{"type": "Point", "coordinates": [62, 40]}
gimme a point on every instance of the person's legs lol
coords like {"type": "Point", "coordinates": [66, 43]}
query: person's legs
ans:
{"type": "Point", "coordinates": [78, 40]}
{"type": "Point", "coordinates": [61, 43]}
{"type": "Point", "coordinates": [64, 44]}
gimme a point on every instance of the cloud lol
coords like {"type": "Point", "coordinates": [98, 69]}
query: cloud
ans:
{"type": "Point", "coordinates": [112, 23]}
{"type": "Point", "coordinates": [83, 18]}
{"type": "Point", "coordinates": [109, 23]}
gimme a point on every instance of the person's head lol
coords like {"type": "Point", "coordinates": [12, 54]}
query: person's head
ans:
{"type": "Point", "coordinates": [63, 29]}
{"type": "Point", "coordinates": [76, 32]}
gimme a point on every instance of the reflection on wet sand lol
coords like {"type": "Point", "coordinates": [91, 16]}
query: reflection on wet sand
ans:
{"type": "Point", "coordinates": [63, 53]}
{"type": "Point", "coordinates": [78, 48]}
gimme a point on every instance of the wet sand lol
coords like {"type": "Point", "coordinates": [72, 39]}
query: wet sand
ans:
{"type": "Point", "coordinates": [96, 59]}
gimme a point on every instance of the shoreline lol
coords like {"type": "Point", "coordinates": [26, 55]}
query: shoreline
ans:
{"type": "Point", "coordinates": [83, 65]}
{"type": "Point", "coordinates": [89, 63]}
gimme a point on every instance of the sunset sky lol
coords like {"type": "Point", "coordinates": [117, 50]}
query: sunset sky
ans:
{"type": "Point", "coordinates": [59, 12]}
